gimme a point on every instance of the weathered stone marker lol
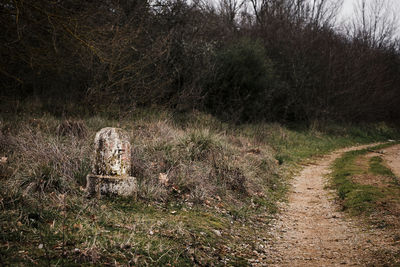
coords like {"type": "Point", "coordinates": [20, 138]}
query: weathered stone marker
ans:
{"type": "Point", "coordinates": [112, 164]}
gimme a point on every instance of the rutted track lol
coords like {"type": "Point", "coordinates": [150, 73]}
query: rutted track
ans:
{"type": "Point", "coordinates": [311, 231]}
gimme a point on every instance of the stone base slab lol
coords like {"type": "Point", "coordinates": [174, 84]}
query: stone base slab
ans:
{"type": "Point", "coordinates": [98, 185]}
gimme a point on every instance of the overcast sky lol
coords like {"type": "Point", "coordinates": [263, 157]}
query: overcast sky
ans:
{"type": "Point", "coordinates": [347, 11]}
{"type": "Point", "coordinates": [348, 6]}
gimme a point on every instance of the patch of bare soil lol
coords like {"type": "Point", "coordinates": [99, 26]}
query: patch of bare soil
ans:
{"type": "Point", "coordinates": [391, 157]}
{"type": "Point", "coordinates": [374, 180]}
{"type": "Point", "coordinates": [362, 162]}
{"type": "Point", "coordinates": [311, 231]}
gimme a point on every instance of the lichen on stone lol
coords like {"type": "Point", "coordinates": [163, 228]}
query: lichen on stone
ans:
{"type": "Point", "coordinates": [112, 164]}
{"type": "Point", "coordinates": [112, 152]}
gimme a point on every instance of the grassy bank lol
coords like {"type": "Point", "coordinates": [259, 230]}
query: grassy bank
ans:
{"type": "Point", "coordinates": [223, 182]}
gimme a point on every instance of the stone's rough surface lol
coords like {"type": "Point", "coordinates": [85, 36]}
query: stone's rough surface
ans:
{"type": "Point", "coordinates": [112, 152]}
{"type": "Point", "coordinates": [108, 185]}
{"type": "Point", "coordinates": [112, 164]}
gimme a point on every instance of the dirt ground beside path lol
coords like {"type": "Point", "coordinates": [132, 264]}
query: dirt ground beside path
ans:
{"type": "Point", "coordinates": [391, 157]}
{"type": "Point", "coordinates": [311, 231]}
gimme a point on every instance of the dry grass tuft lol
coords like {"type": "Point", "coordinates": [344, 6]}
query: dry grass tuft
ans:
{"type": "Point", "coordinates": [44, 162]}
{"type": "Point", "coordinates": [195, 164]}
{"type": "Point", "coordinates": [72, 127]}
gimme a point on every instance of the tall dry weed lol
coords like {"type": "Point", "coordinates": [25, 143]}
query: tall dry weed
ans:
{"type": "Point", "coordinates": [196, 164]}
{"type": "Point", "coordinates": [46, 162]}
{"type": "Point", "coordinates": [170, 162]}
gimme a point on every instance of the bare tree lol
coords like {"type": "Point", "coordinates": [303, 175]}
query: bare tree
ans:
{"type": "Point", "coordinates": [229, 10]}
{"type": "Point", "coordinates": [375, 22]}
{"type": "Point", "coordinates": [324, 12]}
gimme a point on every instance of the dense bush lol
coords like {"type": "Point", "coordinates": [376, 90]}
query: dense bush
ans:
{"type": "Point", "coordinates": [80, 56]}
{"type": "Point", "coordinates": [242, 85]}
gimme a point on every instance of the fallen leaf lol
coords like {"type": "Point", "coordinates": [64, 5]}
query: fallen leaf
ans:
{"type": "Point", "coordinates": [3, 160]}
{"type": "Point", "coordinates": [217, 232]}
{"type": "Point", "coordinates": [78, 226]}
{"type": "Point", "coordinates": [163, 178]}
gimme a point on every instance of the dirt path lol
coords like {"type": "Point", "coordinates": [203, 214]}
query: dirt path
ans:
{"type": "Point", "coordinates": [312, 232]}
{"type": "Point", "coordinates": [391, 156]}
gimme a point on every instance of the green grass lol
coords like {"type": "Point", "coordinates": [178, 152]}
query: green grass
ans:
{"type": "Point", "coordinates": [294, 144]}
{"type": "Point", "coordinates": [115, 229]}
{"type": "Point", "coordinates": [376, 167]}
{"type": "Point", "coordinates": [376, 201]}
{"type": "Point", "coordinates": [358, 198]}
